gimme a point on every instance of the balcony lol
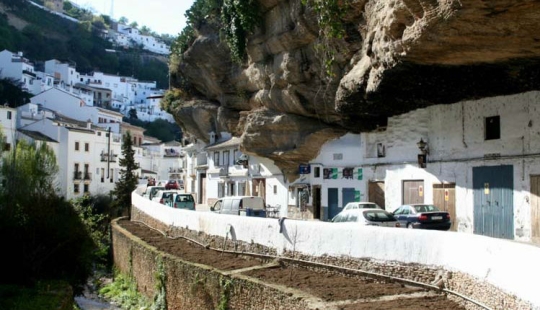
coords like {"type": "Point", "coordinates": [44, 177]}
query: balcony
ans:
{"type": "Point", "coordinates": [30, 73]}
{"type": "Point", "coordinates": [176, 170]}
{"type": "Point", "coordinates": [77, 175]}
{"type": "Point", "coordinates": [224, 171]}
{"type": "Point", "coordinates": [108, 157]}
{"type": "Point", "coordinates": [88, 176]}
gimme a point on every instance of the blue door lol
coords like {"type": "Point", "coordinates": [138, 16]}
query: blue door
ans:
{"type": "Point", "coordinates": [494, 201]}
{"type": "Point", "coordinates": [333, 207]}
{"type": "Point", "coordinates": [348, 196]}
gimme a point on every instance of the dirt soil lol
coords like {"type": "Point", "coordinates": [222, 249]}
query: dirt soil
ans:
{"type": "Point", "coordinates": [351, 293]}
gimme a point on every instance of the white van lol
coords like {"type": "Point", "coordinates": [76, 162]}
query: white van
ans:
{"type": "Point", "coordinates": [240, 205]}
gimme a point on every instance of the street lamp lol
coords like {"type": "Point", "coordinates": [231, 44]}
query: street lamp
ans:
{"type": "Point", "coordinates": [423, 146]}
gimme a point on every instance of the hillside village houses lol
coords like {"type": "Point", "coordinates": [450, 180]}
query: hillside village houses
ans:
{"type": "Point", "coordinates": [94, 89]}
{"type": "Point", "coordinates": [126, 36]}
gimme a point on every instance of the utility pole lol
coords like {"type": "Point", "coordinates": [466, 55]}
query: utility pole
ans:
{"type": "Point", "coordinates": [112, 9]}
{"type": "Point", "coordinates": [108, 153]}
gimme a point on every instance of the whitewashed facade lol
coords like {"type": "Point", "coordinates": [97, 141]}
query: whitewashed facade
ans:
{"type": "Point", "coordinates": [486, 140]}
{"type": "Point", "coordinates": [16, 67]}
{"type": "Point", "coordinates": [8, 127]}
{"type": "Point", "coordinates": [87, 155]}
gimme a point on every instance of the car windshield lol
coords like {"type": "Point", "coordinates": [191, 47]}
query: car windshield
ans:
{"type": "Point", "coordinates": [184, 198]}
{"type": "Point", "coordinates": [425, 208]}
{"type": "Point", "coordinates": [378, 216]}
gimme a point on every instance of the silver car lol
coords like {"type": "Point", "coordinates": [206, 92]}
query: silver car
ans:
{"type": "Point", "coordinates": [367, 217]}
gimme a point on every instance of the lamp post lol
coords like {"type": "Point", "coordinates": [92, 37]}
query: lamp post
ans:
{"type": "Point", "coordinates": [422, 158]}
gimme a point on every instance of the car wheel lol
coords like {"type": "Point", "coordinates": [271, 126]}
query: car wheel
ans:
{"type": "Point", "coordinates": [409, 226]}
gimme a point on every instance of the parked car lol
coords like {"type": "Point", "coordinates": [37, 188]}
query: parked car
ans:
{"type": "Point", "coordinates": [174, 184]}
{"type": "Point", "coordinates": [361, 205]}
{"type": "Point", "coordinates": [165, 197]}
{"type": "Point", "coordinates": [423, 216]}
{"type": "Point", "coordinates": [183, 201]}
{"type": "Point", "coordinates": [151, 191]}
{"type": "Point", "coordinates": [367, 217]}
{"type": "Point", "coordinates": [240, 205]}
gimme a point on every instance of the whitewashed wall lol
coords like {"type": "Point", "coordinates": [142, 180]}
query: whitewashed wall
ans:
{"type": "Point", "coordinates": [487, 259]}
{"type": "Point", "coordinates": [455, 136]}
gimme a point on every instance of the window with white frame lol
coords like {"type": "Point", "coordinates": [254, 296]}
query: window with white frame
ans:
{"type": "Point", "coordinates": [216, 159]}
{"type": "Point", "coordinates": [226, 158]}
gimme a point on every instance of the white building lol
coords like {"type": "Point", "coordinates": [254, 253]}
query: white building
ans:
{"type": "Point", "coordinates": [87, 155]}
{"type": "Point", "coordinates": [127, 36]}
{"type": "Point", "coordinates": [8, 126]}
{"type": "Point", "coordinates": [476, 159]}
{"type": "Point", "coordinates": [74, 107]}
{"type": "Point", "coordinates": [19, 69]}
{"type": "Point", "coordinates": [64, 74]}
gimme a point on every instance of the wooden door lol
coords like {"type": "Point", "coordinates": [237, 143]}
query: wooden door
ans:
{"type": "Point", "coordinates": [317, 202]}
{"type": "Point", "coordinates": [376, 193]}
{"type": "Point", "coordinates": [413, 192]}
{"type": "Point", "coordinates": [535, 208]}
{"type": "Point", "coordinates": [444, 197]}
{"type": "Point", "coordinates": [202, 188]}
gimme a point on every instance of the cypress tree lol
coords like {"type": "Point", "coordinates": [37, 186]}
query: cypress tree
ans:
{"type": "Point", "coordinates": [128, 178]}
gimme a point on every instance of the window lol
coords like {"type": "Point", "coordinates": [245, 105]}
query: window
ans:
{"type": "Point", "coordinates": [275, 189]}
{"type": "Point", "coordinates": [493, 127]}
{"type": "Point", "coordinates": [216, 159]}
{"type": "Point", "coordinates": [221, 190]}
{"type": "Point", "coordinates": [86, 186]}
{"type": "Point", "coordinates": [226, 158]}
{"type": "Point", "coordinates": [76, 188]}
{"type": "Point", "coordinates": [87, 147]}
{"type": "Point", "coordinates": [8, 114]}
{"type": "Point", "coordinates": [102, 175]}
{"type": "Point", "coordinates": [317, 172]}
{"type": "Point", "coordinates": [76, 146]}
{"type": "Point", "coordinates": [338, 156]}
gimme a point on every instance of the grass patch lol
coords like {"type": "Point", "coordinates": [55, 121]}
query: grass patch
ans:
{"type": "Point", "coordinates": [123, 291]}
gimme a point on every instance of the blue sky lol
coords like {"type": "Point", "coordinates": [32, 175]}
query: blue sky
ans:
{"type": "Point", "coordinates": [162, 16]}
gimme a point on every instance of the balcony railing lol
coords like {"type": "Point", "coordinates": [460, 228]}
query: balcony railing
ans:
{"type": "Point", "coordinates": [224, 171]}
{"type": "Point", "coordinates": [77, 175]}
{"type": "Point", "coordinates": [110, 158]}
{"type": "Point", "coordinates": [87, 176]}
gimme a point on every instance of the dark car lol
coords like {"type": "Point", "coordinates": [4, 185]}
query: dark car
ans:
{"type": "Point", "coordinates": [173, 184]}
{"type": "Point", "coordinates": [424, 216]}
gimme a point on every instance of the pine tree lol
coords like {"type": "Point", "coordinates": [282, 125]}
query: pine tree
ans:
{"type": "Point", "coordinates": [128, 179]}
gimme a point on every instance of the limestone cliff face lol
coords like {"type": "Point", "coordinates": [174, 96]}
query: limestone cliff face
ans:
{"type": "Point", "coordinates": [396, 56]}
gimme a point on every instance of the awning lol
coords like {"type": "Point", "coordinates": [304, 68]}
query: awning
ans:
{"type": "Point", "coordinates": [301, 182]}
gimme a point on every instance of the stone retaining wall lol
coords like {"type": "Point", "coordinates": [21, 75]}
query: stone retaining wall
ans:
{"type": "Point", "coordinates": [195, 286]}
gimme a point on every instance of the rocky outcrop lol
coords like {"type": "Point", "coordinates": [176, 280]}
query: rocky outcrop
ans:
{"type": "Point", "coordinates": [298, 89]}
